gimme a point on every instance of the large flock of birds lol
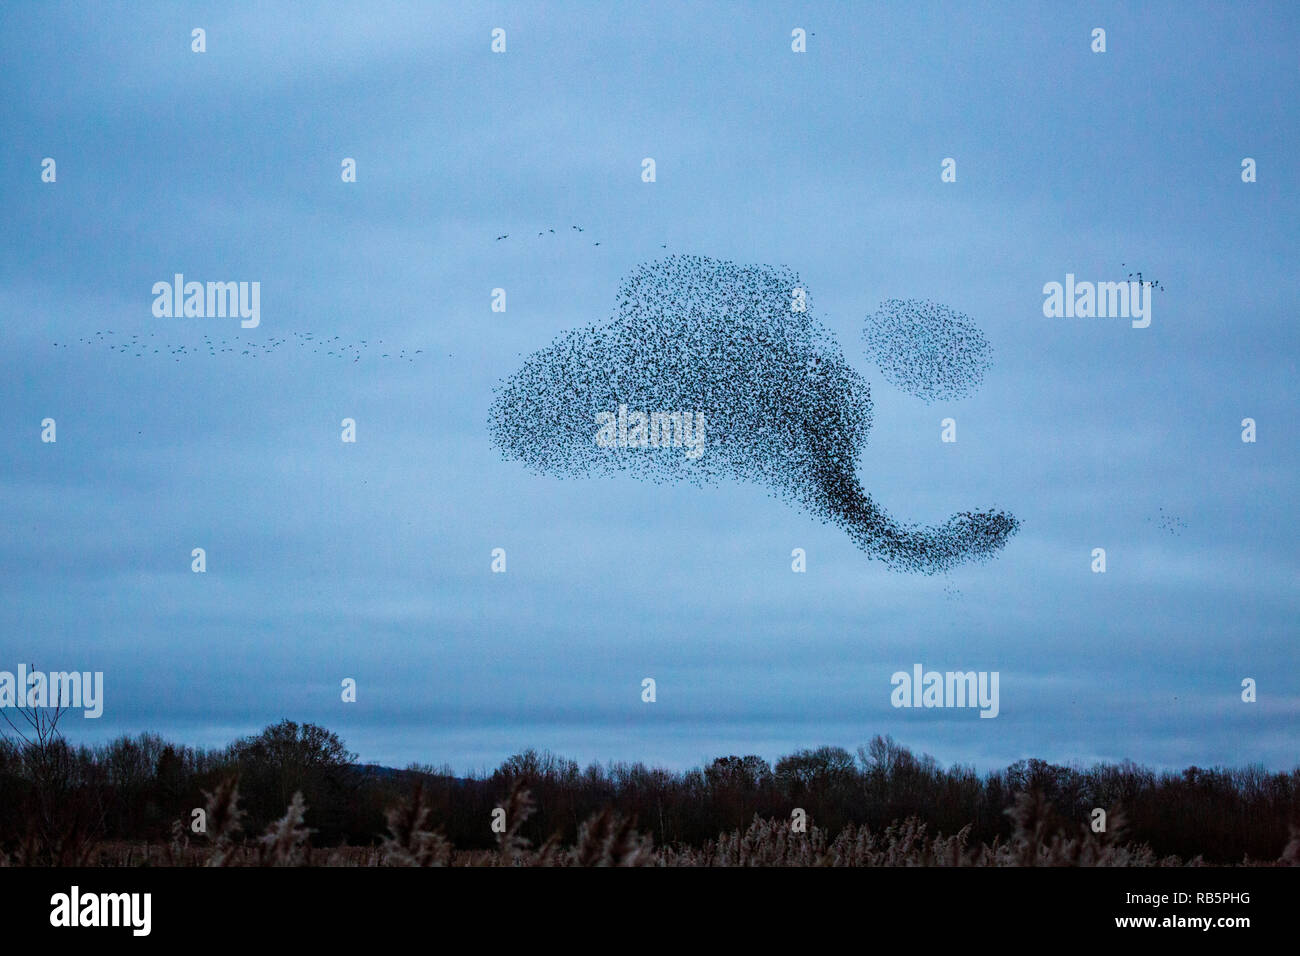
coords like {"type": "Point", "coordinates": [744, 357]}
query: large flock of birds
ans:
{"type": "Point", "coordinates": [782, 406]}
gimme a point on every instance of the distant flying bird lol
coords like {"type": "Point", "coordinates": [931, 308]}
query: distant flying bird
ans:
{"type": "Point", "coordinates": [506, 236]}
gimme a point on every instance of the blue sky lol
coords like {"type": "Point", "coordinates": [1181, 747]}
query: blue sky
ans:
{"type": "Point", "coordinates": [371, 560]}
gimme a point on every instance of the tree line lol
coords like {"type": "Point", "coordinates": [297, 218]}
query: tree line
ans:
{"type": "Point", "coordinates": [57, 798]}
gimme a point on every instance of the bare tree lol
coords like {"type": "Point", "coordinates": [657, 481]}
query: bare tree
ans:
{"type": "Point", "coordinates": [62, 826]}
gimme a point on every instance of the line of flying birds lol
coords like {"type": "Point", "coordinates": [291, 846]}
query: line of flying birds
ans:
{"type": "Point", "coordinates": [552, 232]}
{"type": "Point", "coordinates": [1154, 283]}
{"type": "Point", "coordinates": [139, 346]}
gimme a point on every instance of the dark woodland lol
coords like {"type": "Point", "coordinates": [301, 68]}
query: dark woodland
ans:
{"type": "Point", "coordinates": [294, 794]}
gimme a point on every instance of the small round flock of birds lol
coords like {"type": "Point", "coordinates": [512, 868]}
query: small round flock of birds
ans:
{"type": "Point", "coordinates": [142, 346]}
{"type": "Point", "coordinates": [927, 349]}
{"type": "Point", "coordinates": [782, 406]}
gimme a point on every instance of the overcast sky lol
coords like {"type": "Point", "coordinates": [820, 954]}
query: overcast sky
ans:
{"type": "Point", "coordinates": [328, 560]}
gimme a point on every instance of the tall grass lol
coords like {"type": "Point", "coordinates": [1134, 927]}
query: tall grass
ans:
{"type": "Point", "coordinates": [1038, 838]}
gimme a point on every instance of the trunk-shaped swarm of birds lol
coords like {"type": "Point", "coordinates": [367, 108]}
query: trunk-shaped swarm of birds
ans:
{"type": "Point", "coordinates": [781, 405]}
